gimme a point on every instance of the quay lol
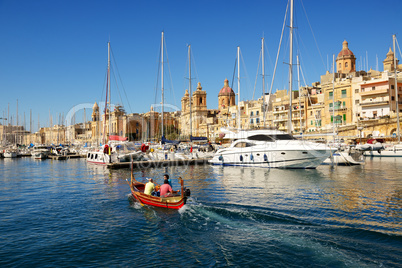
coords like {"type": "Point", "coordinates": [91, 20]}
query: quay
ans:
{"type": "Point", "coordinates": [158, 163]}
{"type": "Point", "coordinates": [65, 157]}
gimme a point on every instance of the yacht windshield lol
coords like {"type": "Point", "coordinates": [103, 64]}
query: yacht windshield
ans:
{"type": "Point", "coordinates": [243, 144]}
{"type": "Point", "coordinates": [261, 137]}
{"type": "Point", "coordinates": [271, 138]}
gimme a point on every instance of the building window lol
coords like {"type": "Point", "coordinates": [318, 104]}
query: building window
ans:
{"type": "Point", "coordinates": [257, 112]}
{"type": "Point", "coordinates": [257, 120]}
{"type": "Point", "coordinates": [251, 121]}
{"type": "Point", "coordinates": [392, 87]}
{"type": "Point", "coordinates": [346, 65]}
{"type": "Point", "coordinates": [311, 123]}
{"type": "Point", "coordinates": [392, 98]}
{"type": "Point", "coordinates": [373, 88]}
{"type": "Point", "coordinates": [356, 90]}
{"type": "Point", "coordinates": [344, 93]}
{"type": "Point", "coordinates": [252, 113]}
{"type": "Point", "coordinates": [340, 66]}
{"type": "Point", "coordinates": [331, 94]}
{"type": "Point", "coordinates": [344, 104]}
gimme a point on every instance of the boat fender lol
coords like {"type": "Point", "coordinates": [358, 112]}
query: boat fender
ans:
{"type": "Point", "coordinates": [220, 158]}
{"type": "Point", "coordinates": [265, 158]}
{"type": "Point", "coordinates": [251, 157]}
{"type": "Point", "coordinates": [241, 158]}
{"type": "Point", "coordinates": [379, 151]}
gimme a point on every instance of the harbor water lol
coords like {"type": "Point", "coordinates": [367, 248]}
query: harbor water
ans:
{"type": "Point", "coordinates": [74, 214]}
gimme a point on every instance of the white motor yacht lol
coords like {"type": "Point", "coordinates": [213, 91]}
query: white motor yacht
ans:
{"type": "Point", "coordinates": [40, 152]}
{"type": "Point", "coordinates": [271, 149]}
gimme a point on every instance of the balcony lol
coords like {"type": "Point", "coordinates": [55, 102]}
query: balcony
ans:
{"type": "Point", "coordinates": [338, 108]}
{"type": "Point", "coordinates": [374, 92]}
{"type": "Point", "coordinates": [280, 111]}
{"type": "Point", "coordinates": [374, 103]}
{"type": "Point", "coordinates": [280, 119]}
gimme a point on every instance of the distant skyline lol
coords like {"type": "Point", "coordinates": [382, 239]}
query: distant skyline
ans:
{"type": "Point", "coordinates": [54, 53]}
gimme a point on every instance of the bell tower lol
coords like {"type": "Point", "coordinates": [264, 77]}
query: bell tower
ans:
{"type": "Point", "coordinates": [346, 60]}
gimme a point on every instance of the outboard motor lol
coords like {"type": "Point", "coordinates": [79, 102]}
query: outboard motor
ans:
{"type": "Point", "coordinates": [187, 192]}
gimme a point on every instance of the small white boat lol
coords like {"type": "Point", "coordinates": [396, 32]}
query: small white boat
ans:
{"type": "Point", "coordinates": [386, 151]}
{"type": "Point", "coordinates": [344, 158]}
{"type": "Point", "coordinates": [10, 153]}
{"type": "Point", "coordinates": [40, 152]}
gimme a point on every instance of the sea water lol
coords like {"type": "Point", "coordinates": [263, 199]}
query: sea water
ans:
{"type": "Point", "coordinates": [73, 214]}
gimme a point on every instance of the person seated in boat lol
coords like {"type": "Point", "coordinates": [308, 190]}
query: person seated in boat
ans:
{"type": "Point", "coordinates": [165, 188]}
{"type": "Point", "coordinates": [166, 177]}
{"type": "Point", "coordinates": [149, 187]}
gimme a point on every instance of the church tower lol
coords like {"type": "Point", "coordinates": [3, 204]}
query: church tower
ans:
{"type": "Point", "coordinates": [184, 102]}
{"type": "Point", "coordinates": [95, 112]}
{"type": "Point", "coordinates": [200, 98]}
{"type": "Point", "coordinates": [389, 61]}
{"type": "Point", "coordinates": [346, 60]}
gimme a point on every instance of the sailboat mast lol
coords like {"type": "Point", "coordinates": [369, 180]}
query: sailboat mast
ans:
{"type": "Point", "coordinates": [333, 96]}
{"type": "Point", "coordinates": [290, 67]}
{"type": "Point", "coordinates": [189, 87]}
{"type": "Point", "coordinates": [108, 78]}
{"type": "Point", "coordinates": [298, 86]}
{"type": "Point", "coordinates": [396, 93]}
{"type": "Point", "coordinates": [238, 88]}
{"type": "Point", "coordinates": [162, 82]}
{"type": "Point", "coordinates": [263, 79]}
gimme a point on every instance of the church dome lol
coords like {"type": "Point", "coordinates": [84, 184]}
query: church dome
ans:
{"type": "Point", "coordinates": [226, 90]}
{"type": "Point", "coordinates": [345, 52]}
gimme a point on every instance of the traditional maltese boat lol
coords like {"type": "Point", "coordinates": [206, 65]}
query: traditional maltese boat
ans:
{"type": "Point", "coordinates": [175, 200]}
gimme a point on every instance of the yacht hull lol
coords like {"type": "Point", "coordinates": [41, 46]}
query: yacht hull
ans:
{"type": "Point", "coordinates": [294, 159]}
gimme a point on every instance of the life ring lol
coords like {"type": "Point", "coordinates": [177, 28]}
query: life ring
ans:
{"type": "Point", "coordinates": [171, 149]}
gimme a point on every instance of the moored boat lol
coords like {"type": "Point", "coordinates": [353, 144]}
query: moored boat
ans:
{"type": "Point", "coordinates": [40, 152]}
{"type": "Point", "coordinates": [173, 201]}
{"type": "Point", "coordinates": [271, 149]}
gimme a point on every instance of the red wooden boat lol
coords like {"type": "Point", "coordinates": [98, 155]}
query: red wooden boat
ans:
{"type": "Point", "coordinates": [173, 201]}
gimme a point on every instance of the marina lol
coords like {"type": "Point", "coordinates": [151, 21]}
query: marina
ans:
{"type": "Point", "coordinates": [71, 213]}
{"type": "Point", "coordinates": [119, 166]}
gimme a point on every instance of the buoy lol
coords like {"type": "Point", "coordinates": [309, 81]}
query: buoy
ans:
{"type": "Point", "coordinates": [241, 158]}
{"type": "Point", "coordinates": [265, 158]}
{"type": "Point", "coordinates": [251, 157]}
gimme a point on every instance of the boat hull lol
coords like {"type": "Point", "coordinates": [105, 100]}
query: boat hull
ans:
{"type": "Point", "coordinates": [384, 153]}
{"type": "Point", "coordinates": [170, 202]}
{"type": "Point", "coordinates": [100, 158]}
{"type": "Point", "coordinates": [10, 154]}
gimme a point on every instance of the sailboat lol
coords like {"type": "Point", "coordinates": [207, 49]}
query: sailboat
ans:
{"type": "Point", "coordinates": [272, 148]}
{"type": "Point", "coordinates": [118, 149]}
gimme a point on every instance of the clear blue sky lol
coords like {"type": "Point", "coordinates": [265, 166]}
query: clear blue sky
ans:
{"type": "Point", "coordinates": [54, 53]}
